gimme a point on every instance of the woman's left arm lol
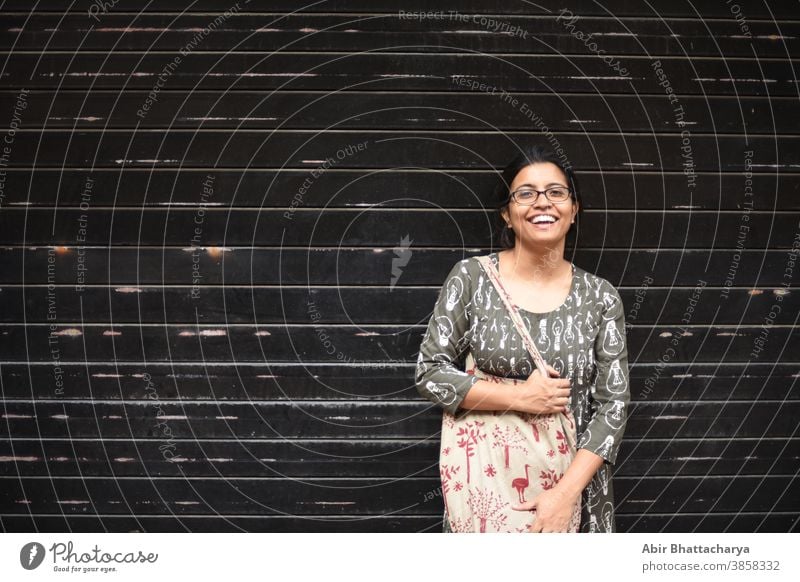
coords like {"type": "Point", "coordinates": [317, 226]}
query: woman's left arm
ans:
{"type": "Point", "coordinates": [554, 507]}
{"type": "Point", "coordinates": [600, 442]}
{"type": "Point", "coordinates": [610, 393]}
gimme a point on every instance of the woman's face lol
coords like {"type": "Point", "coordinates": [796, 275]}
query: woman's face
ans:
{"type": "Point", "coordinates": [540, 176]}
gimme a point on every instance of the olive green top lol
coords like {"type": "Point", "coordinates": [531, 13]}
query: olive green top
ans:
{"type": "Point", "coordinates": [584, 339]}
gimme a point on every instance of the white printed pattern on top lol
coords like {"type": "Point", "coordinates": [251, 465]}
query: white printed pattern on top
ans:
{"type": "Point", "coordinates": [583, 339]}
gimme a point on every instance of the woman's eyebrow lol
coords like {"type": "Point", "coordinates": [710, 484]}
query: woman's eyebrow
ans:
{"type": "Point", "coordinates": [550, 184]}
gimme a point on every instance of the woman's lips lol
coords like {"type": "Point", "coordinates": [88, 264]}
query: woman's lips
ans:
{"type": "Point", "coordinates": [542, 225]}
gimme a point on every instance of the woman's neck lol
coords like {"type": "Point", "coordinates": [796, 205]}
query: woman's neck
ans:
{"type": "Point", "coordinates": [535, 265]}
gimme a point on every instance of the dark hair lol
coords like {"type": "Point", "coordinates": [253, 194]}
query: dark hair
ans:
{"type": "Point", "coordinates": [530, 154]}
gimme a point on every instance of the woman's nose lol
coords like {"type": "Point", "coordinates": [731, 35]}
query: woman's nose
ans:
{"type": "Point", "coordinates": [542, 202]}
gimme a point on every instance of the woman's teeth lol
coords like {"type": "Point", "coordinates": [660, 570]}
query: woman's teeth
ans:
{"type": "Point", "coordinates": [543, 220]}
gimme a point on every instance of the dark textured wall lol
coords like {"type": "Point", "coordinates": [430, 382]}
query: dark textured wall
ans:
{"type": "Point", "coordinates": [222, 235]}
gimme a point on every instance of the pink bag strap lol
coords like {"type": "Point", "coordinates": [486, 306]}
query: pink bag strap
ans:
{"type": "Point", "coordinates": [494, 276]}
{"type": "Point", "coordinates": [516, 318]}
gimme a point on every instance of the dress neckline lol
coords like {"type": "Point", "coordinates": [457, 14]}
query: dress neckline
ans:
{"type": "Point", "coordinates": [573, 284]}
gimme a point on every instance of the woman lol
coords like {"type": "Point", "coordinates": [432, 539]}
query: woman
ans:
{"type": "Point", "coordinates": [576, 320]}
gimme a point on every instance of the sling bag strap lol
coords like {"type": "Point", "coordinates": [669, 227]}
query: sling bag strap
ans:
{"type": "Point", "coordinates": [494, 276]}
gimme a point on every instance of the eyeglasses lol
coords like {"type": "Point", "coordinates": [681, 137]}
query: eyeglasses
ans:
{"type": "Point", "coordinates": [527, 196]}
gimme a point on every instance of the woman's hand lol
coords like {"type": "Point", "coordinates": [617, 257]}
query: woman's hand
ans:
{"type": "Point", "coordinates": [540, 395]}
{"type": "Point", "coordinates": [554, 509]}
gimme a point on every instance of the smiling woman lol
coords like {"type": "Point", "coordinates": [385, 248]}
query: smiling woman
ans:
{"type": "Point", "coordinates": [525, 352]}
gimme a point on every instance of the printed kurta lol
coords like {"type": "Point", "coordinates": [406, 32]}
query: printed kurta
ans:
{"type": "Point", "coordinates": [583, 338]}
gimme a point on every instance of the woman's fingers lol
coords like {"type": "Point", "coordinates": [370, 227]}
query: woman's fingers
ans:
{"type": "Point", "coordinates": [560, 399]}
{"type": "Point", "coordinates": [538, 527]}
{"type": "Point", "coordinates": [527, 506]}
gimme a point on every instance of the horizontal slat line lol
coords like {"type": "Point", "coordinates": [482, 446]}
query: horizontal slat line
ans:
{"type": "Point", "coordinates": [166, 90]}
{"type": "Point", "coordinates": [609, 93]}
{"type": "Point", "coordinates": [409, 364]}
{"type": "Point", "coordinates": [151, 286]}
{"type": "Point", "coordinates": [362, 209]}
{"type": "Point", "coordinates": [398, 440]}
{"type": "Point", "coordinates": [307, 169]}
{"type": "Point", "coordinates": [151, 478]}
{"type": "Point", "coordinates": [301, 170]}
{"type": "Point", "coordinates": [420, 248]}
{"type": "Point", "coordinates": [135, 129]}
{"type": "Point", "coordinates": [420, 326]}
{"type": "Point", "coordinates": [265, 53]}
{"type": "Point", "coordinates": [290, 169]}
{"type": "Point", "coordinates": [704, 250]}
{"type": "Point", "coordinates": [377, 480]}
{"type": "Point", "coordinates": [343, 401]}
{"type": "Point", "coordinates": [346, 519]}
{"type": "Point", "coordinates": [160, 207]}
{"type": "Point", "coordinates": [362, 131]}
{"type": "Point", "coordinates": [532, 94]}
{"type": "Point", "coordinates": [506, 16]}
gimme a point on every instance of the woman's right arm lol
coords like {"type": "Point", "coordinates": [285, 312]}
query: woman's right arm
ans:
{"type": "Point", "coordinates": [440, 377]}
{"type": "Point", "coordinates": [536, 395]}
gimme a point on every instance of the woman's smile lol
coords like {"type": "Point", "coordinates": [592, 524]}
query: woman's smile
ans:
{"type": "Point", "coordinates": [543, 221]}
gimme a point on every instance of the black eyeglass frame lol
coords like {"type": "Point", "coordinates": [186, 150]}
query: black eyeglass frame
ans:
{"type": "Point", "coordinates": [512, 195]}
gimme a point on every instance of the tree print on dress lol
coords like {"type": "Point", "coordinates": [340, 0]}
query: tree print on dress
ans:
{"type": "Point", "coordinates": [468, 436]}
{"type": "Point", "coordinates": [449, 421]}
{"type": "Point", "coordinates": [539, 423]}
{"type": "Point", "coordinates": [563, 444]}
{"type": "Point", "coordinates": [447, 472]}
{"type": "Point", "coordinates": [549, 478]}
{"type": "Point", "coordinates": [508, 437]}
{"type": "Point", "coordinates": [487, 507]}
{"type": "Point", "coordinates": [460, 525]}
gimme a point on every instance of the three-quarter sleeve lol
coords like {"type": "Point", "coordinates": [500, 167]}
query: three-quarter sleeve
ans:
{"type": "Point", "coordinates": [440, 376]}
{"type": "Point", "coordinates": [610, 393]}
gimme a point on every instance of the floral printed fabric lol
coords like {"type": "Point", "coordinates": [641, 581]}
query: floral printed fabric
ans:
{"type": "Point", "coordinates": [584, 339]}
{"type": "Point", "coordinates": [489, 460]}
